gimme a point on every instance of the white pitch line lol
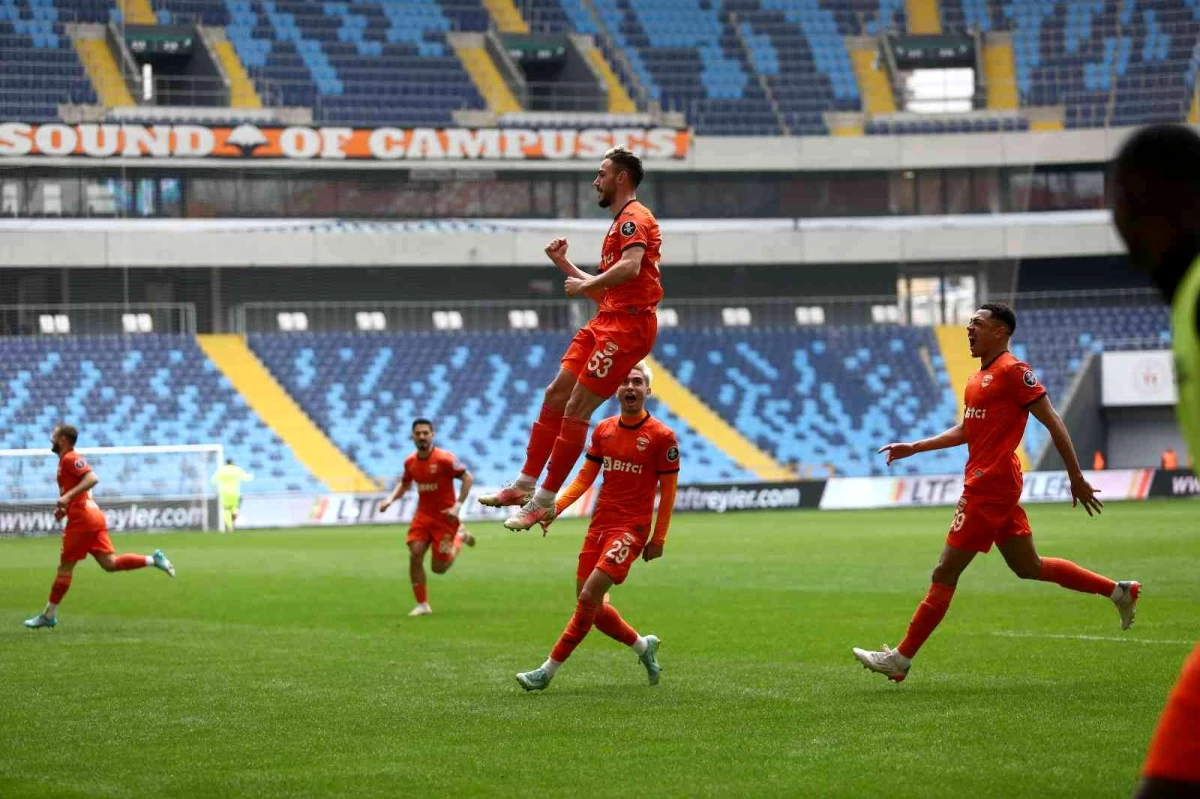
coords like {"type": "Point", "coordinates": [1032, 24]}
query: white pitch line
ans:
{"type": "Point", "coordinates": [1121, 639]}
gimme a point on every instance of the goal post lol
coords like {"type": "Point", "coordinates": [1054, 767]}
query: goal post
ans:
{"type": "Point", "coordinates": [165, 487]}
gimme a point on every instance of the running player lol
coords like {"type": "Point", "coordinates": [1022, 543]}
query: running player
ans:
{"type": "Point", "coordinates": [621, 334]}
{"type": "Point", "coordinates": [436, 521]}
{"type": "Point", "coordinates": [999, 399]}
{"type": "Point", "coordinates": [638, 454]}
{"type": "Point", "coordinates": [86, 531]}
{"type": "Point", "coordinates": [1157, 212]}
{"type": "Point", "coordinates": [228, 479]}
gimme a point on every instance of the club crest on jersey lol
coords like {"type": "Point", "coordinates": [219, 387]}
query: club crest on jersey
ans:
{"type": "Point", "coordinates": [1030, 378]}
{"type": "Point", "coordinates": [627, 228]}
{"type": "Point", "coordinates": [609, 347]}
{"type": "Point", "coordinates": [672, 454]}
{"type": "Point", "coordinates": [642, 443]}
{"type": "Point", "coordinates": [987, 380]}
{"type": "Point", "coordinates": [433, 468]}
{"type": "Point", "coordinates": [79, 464]}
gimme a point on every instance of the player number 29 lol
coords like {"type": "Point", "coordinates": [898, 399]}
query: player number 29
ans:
{"type": "Point", "coordinates": [599, 365]}
{"type": "Point", "coordinates": [619, 551]}
{"type": "Point", "coordinates": [959, 518]}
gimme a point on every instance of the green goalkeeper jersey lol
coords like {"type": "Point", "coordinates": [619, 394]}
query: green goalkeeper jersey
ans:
{"type": "Point", "coordinates": [1187, 355]}
{"type": "Point", "coordinates": [229, 478]}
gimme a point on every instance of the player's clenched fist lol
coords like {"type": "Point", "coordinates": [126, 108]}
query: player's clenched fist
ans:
{"type": "Point", "coordinates": [556, 250]}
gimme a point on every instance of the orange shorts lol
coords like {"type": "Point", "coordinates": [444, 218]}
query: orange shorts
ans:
{"type": "Point", "coordinates": [612, 550]}
{"type": "Point", "coordinates": [439, 533]}
{"type": "Point", "coordinates": [979, 523]}
{"type": "Point", "coordinates": [606, 348]}
{"type": "Point", "coordinates": [1175, 748]}
{"type": "Point", "coordinates": [80, 540]}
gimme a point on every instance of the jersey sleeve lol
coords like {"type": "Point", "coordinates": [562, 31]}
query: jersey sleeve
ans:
{"type": "Point", "coordinates": [76, 466]}
{"type": "Point", "coordinates": [1025, 385]}
{"type": "Point", "coordinates": [408, 475]}
{"type": "Point", "coordinates": [668, 453]}
{"type": "Point", "coordinates": [457, 468]}
{"type": "Point", "coordinates": [593, 450]}
{"type": "Point", "coordinates": [634, 231]}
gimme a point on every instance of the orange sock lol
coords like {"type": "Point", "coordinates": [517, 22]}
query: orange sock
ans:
{"type": "Point", "coordinates": [129, 562]}
{"type": "Point", "coordinates": [929, 615]}
{"type": "Point", "coordinates": [421, 593]}
{"type": "Point", "coordinates": [1077, 578]}
{"type": "Point", "coordinates": [577, 629]}
{"type": "Point", "coordinates": [609, 622]}
{"type": "Point", "coordinates": [541, 440]}
{"type": "Point", "coordinates": [567, 448]}
{"type": "Point", "coordinates": [59, 589]}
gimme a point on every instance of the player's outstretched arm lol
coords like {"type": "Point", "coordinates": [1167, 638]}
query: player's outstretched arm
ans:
{"type": "Point", "coordinates": [1081, 490]}
{"type": "Point", "coordinates": [626, 269]}
{"type": "Point", "coordinates": [468, 480]}
{"type": "Point", "coordinates": [583, 481]}
{"type": "Point", "coordinates": [400, 490]}
{"type": "Point", "coordinates": [954, 437]}
{"type": "Point", "coordinates": [667, 483]}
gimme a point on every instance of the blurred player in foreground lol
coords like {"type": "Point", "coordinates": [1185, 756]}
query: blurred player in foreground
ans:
{"type": "Point", "coordinates": [1156, 208]}
{"type": "Point", "coordinates": [86, 531]}
{"type": "Point", "coordinates": [228, 479]}
{"type": "Point", "coordinates": [999, 399]}
{"type": "Point", "coordinates": [638, 455]}
{"type": "Point", "coordinates": [621, 334]}
{"type": "Point", "coordinates": [436, 521]}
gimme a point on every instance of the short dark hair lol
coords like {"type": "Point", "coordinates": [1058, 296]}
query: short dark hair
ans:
{"type": "Point", "coordinates": [626, 161]}
{"type": "Point", "coordinates": [418, 422]}
{"type": "Point", "coordinates": [1003, 312]}
{"type": "Point", "coordinates": [68, 432]}
{"type": "Point", "coordinates": [1158, 168]}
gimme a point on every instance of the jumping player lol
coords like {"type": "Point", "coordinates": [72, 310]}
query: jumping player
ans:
{"type": "Point", "coordinates": [1157, 212]}
{"type": "Point", "coordinates": [436, 521]}
{"type": "Point", "coordinates": [86, 531]}
{"type": "Point", "coordinates": [638, 454]}
{"type": "Point", "coordinates": [999, 399]}
{"type": "Point", "coordinates": [622, 333]}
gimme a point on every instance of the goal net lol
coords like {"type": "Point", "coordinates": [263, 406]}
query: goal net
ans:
{"type": "Point", "coordinates": [140, 488]}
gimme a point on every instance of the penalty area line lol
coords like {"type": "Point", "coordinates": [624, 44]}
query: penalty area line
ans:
{"type": "Point", "coordinates": [1120, 639]}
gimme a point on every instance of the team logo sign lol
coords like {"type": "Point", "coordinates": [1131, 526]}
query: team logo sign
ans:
{"type": "Point", "coordinates": [987, 380]}
{"type": "Point", "coordinates": [1030, 378]}
{"type": "Point", "coordinates": [433, 468]}
{"type": "Point", "coordinates": [79, 464]}
{"type": "Point", "coordinates": [627, 228]}
{"type": "Point", "coordinates": [673, 454]}
{"type": "Point", "coordinates": [610, 347]}
{"type": "Point", "coordinates": [642, 443]}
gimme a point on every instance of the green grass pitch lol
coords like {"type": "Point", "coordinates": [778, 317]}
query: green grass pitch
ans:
{"type": "Point", "coordinates": [281, 663]}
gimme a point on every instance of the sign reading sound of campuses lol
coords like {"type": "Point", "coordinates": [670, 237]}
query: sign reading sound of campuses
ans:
{"type": "Point", "coordinates": [301, 143]}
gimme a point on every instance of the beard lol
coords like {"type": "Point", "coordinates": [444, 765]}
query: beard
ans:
{"type": "Point", "coordinates": [604, 201]}
{"type": "Point", "coordinates": [54, 449]}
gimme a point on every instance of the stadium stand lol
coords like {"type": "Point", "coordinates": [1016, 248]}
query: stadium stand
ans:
{"type": "Point", "coordinates": [364, 390]}
{"type": "Point", "coordinates": [48, 71]}
{"type": "Point", "coordinates": [134, 391]}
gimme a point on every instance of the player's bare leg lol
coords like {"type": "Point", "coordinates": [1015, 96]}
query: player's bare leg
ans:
{"type": "Point", "coordinates": [449, 550]}
{"type": "Point", "coordinates": [572, 438]}
{"type": "Point", "coordinates": [541, 442]}
{"type": "Point", "coordinates": [416, 574]}
{"type": "Point", "coordinates": [110, 563]}
{"type": "Point", "coordinates": [1022, 557]}
{"type": "Point", "coordinates": [591, 598]}
{"type": "Point", "coordinates": [895, 663]}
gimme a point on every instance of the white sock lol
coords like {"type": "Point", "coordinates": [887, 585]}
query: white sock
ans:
{"type": "Point", "coordinates": [1117, 593]}
{"type": "Point", "coordinates": [639, 646]}
{"type": "Point", "coordinates": [525, 481]}
{"type": "Point", "coordinates": [51, 610]}
{"type": "Point", "coordinates": [149, 560]}
{"type": "Point", "coordinates": [901, 661]}
{"type": "Point", "coordinates": [550, 666]}
{"type": "Point", "coordinates": [544, 498]}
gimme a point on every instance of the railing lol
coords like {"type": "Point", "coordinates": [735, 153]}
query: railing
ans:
{"type": "Point", "coordinates": [564, 315]}
{"type": "Point", "coordinates": [177, 318]}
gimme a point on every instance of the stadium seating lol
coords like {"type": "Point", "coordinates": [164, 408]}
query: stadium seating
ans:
{"type": "Point", "coordinates": [822, 395]}
{"type": "Point", "coordinates": [42, 70]}
{"type": "Point", "coordinates": [135, 391]}
{"type": "Point", "coordinates": [483, 390]}
{"type": "Point", "coordinates": [875, 127]}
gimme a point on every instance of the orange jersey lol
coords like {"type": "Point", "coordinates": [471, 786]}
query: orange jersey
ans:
{"type": "Point", "coordinates": [83, 510]}
{"type": "Point", "coordinates": [634, 226]}
{"type": "Point", "coordinates": [997, 408]}
{"type": "Point", "coordinates": [1175, 748]}
{"type": "Point", "coordinates": [434, 477]}
{"type": "Point", "coordinates": [632, 457]}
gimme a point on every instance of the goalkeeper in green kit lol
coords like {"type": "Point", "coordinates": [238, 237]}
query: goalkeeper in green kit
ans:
{"type": "Point", "coordinates": [228, 479]}
{"type": "Point", "coordinates": [1156, 208]}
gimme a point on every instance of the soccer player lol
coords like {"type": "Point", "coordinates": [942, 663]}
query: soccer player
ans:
{"type": "Point", "coordinates": [622, 333]}
{"type": "Point", "coordinates": [436, 521]}
{"type": "Point", "coordinates": [86, 531]}
{"type": "Point", "coordinates": [1156, 209]}
{"type": "Point", "coordinates": [228, 479]}
{"type": "Point", "coordinates": [999, 399]}
{"type": "Point", "coordinates": [638, 453]}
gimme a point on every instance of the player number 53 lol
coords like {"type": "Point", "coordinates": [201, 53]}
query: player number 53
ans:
{"type": "Point", "coordinates": [599, 365]}
{"type": "Point", "coordinates": [618, 553]}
